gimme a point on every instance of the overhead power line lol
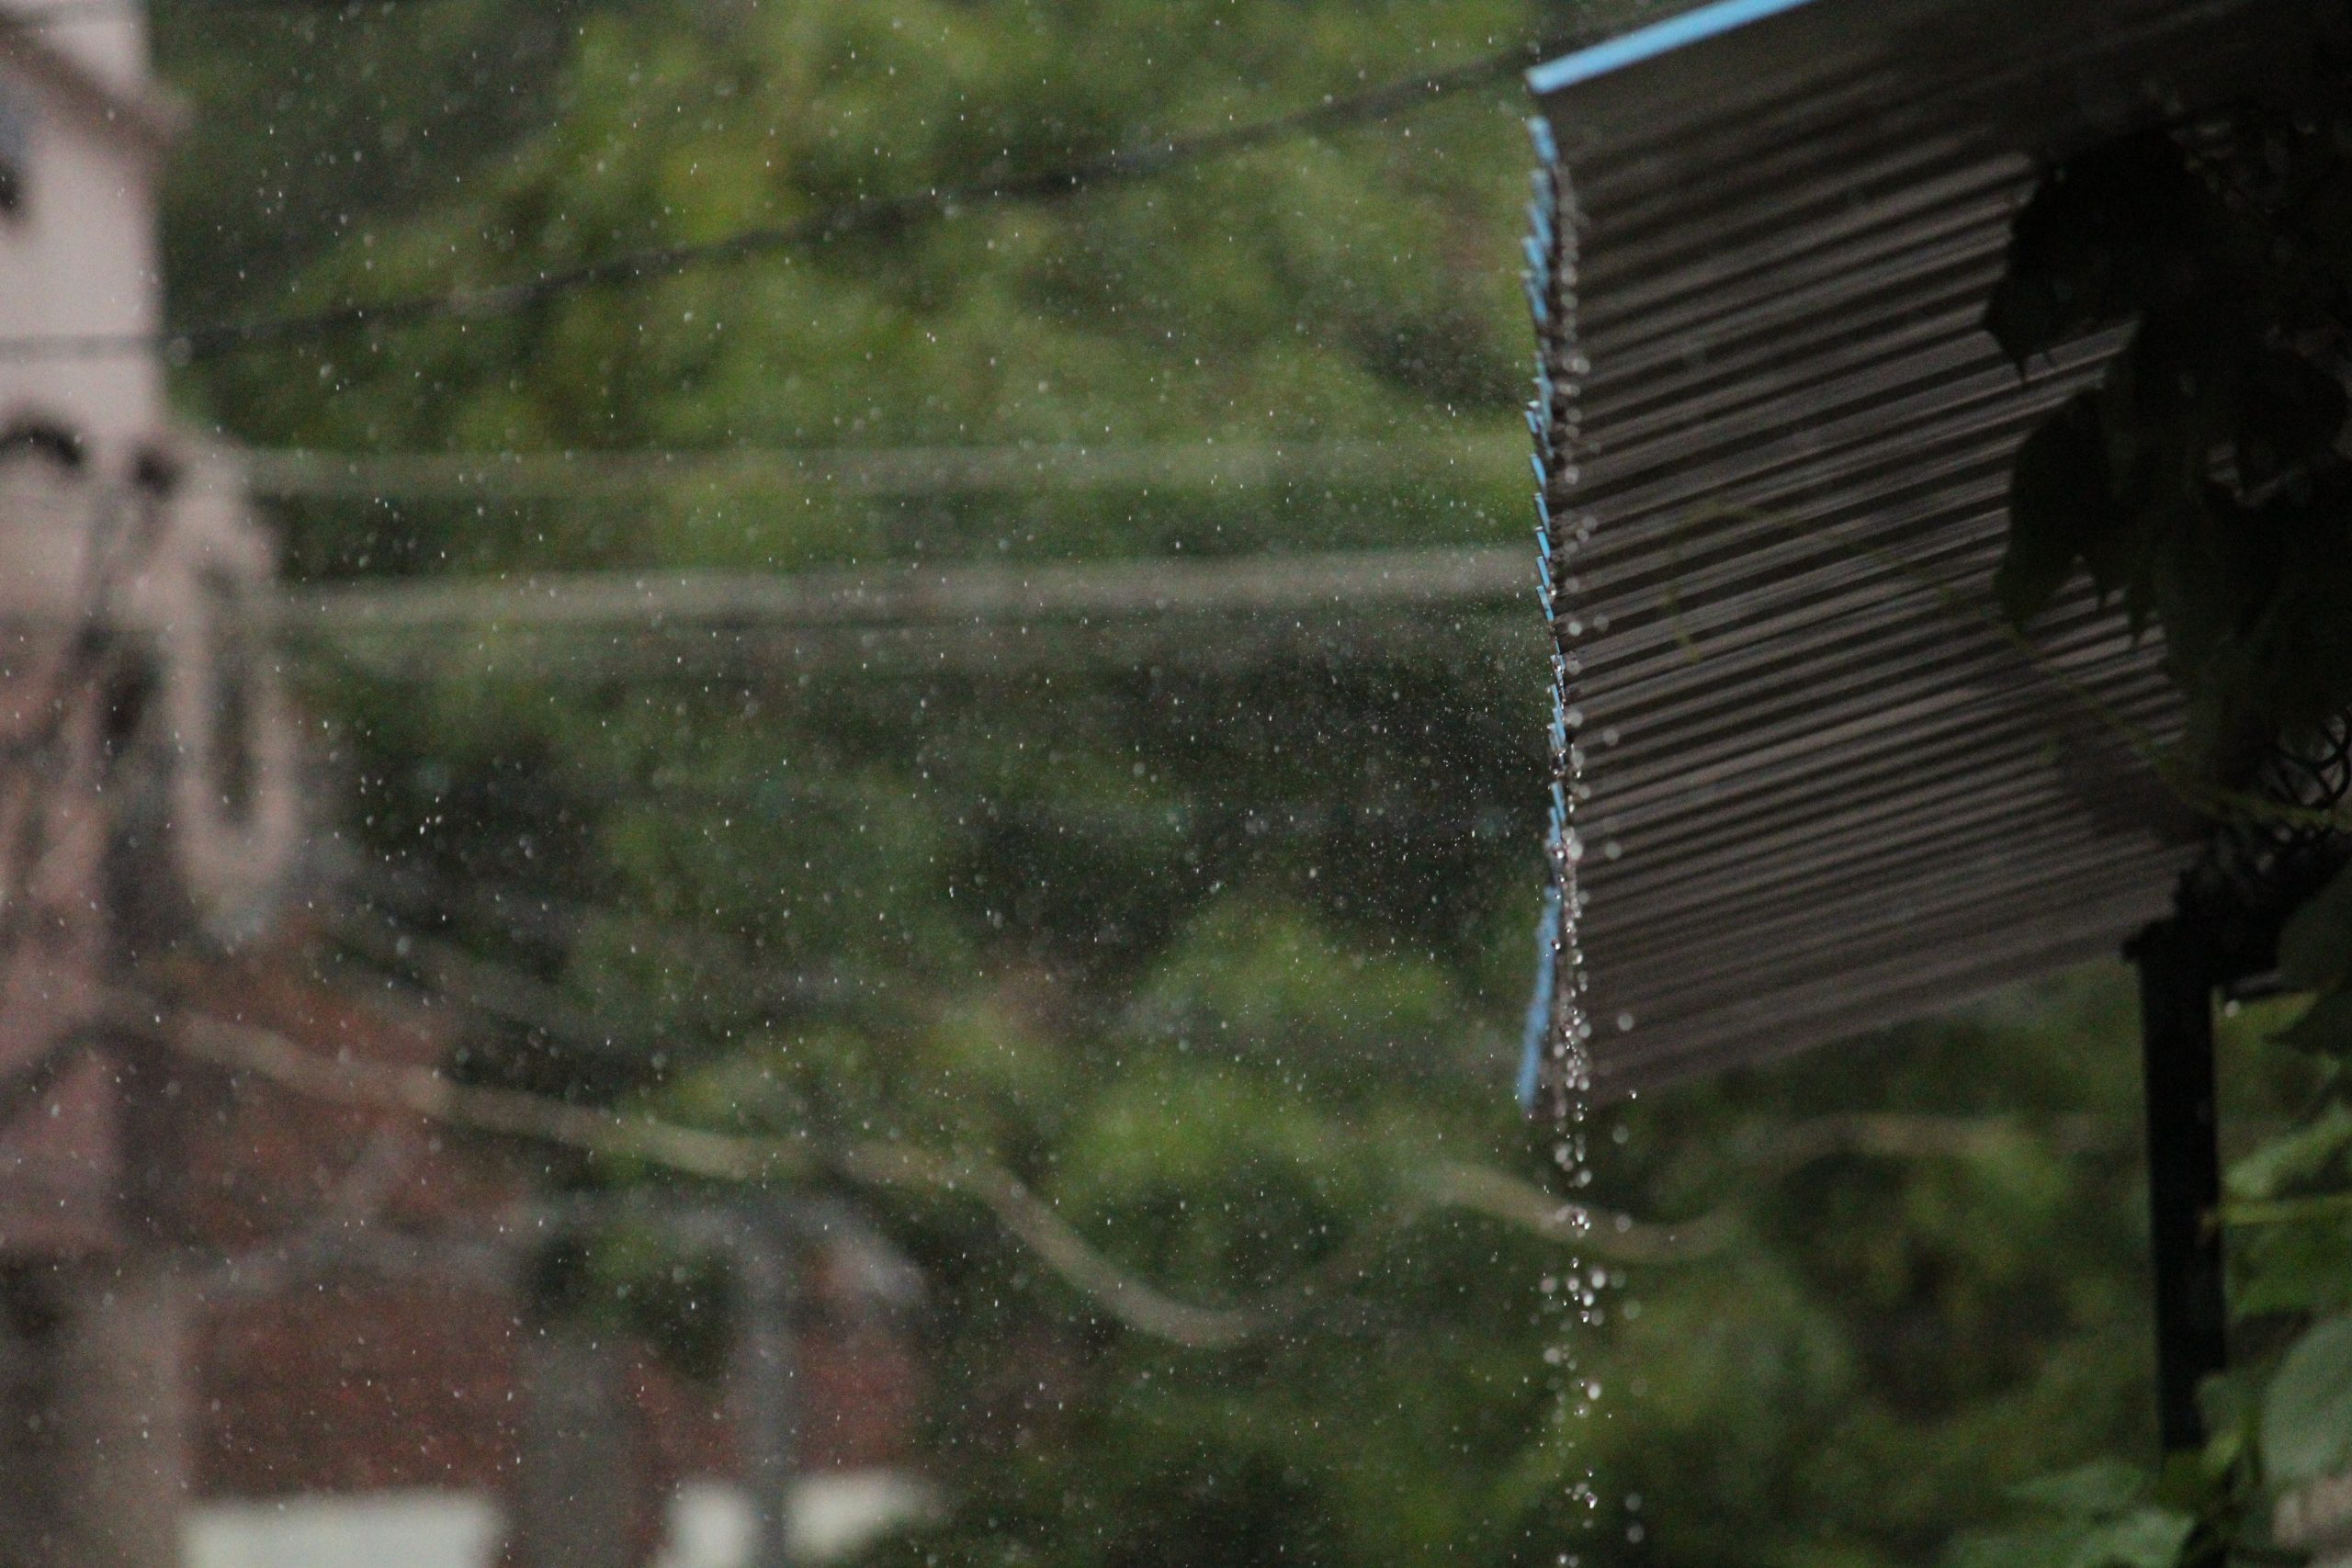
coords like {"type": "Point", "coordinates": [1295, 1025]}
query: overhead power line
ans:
{"type": "Point", "coordinates": [296, 475]}
{"type": "Point", "coordinates": [948, 595]}
{"type": "Point", "coordinates": [865, 216]}
{"type": "Point", "coordinates": [988, 621]}
{"type": "Point", "coordinates": [50, 13]}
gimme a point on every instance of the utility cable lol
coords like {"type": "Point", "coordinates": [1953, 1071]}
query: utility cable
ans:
{"type": "Point", "coordinates": [993, 622]}
{"type": "Point", "coordinates": [959, 594]}
{"type": "Point", "coordinates": [32, 19]}
{"type": "Point", "coordinates": [866, 216]}
{"type": "Point", "coordinates": [524, 475]}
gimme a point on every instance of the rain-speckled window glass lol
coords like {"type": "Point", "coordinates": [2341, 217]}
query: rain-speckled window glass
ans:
{"type": "Point", "coordinates": [782, 781]}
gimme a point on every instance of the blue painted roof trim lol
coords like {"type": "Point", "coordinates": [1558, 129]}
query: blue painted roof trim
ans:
{"type": "Point", "coordinates": [1649, 43]}
{"type": "Point", "coordinates": [1548, 933]}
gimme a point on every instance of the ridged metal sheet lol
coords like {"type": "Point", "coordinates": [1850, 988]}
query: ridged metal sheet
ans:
{"type": "Point", "coordinates": [1812, 784]}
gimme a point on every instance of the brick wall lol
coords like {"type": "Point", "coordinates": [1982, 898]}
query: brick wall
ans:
{"type": "Point", "coordinates": [403, 1371]}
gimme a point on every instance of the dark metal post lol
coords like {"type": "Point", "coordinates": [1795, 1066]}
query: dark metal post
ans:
{"type": "Point", "coordinates": [2177, 980]}
{"type": "Point", "coordinates": [769, 1414]}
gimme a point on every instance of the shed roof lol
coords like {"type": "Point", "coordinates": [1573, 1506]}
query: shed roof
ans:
{"type": "Point", "coordinates": [1821, 787]}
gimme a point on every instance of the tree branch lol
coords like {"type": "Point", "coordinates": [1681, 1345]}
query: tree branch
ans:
{"type": "Point", "coordinates": [242, 1050]}
{"type": "Point", "coordinates": [1481, 1190]}
{"type": "Point", "coordinates": [1029, 1218]}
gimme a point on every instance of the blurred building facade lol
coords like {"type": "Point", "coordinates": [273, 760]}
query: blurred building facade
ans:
{"type": "Point", "coordinates": [236, 1328]}
{"type": "Point", "coordinates": [377, 1377]}
{"type": "Point", "coordinates": [146, 799]}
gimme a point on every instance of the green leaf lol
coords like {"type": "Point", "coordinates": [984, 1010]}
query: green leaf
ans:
{"type": "Point", "coordinates": [2307, 1414]}
{"type": "Point", "coordinates": [2306, 1152]}
{"type": "Point", "coordinates": [2195, 1483]}
{"type": "Point", "coordinates": [2316, 950]}
{"type": "Point", "coordinates": [2150, 1538]}
{"type": "Point", "coordinates": [2145, 1538]}
{"type": "Point", "coordinates": [2290, 412]}
{"type": "Point", "coordinates": [2299, 1266]}
{"type": "Point", "coordinates": [2091, 245]}
{"type": "Point", "coordinates": [2062, 507]}
{"type": "Point", "coordinates": [2200, 1482]}
{"type": "Point", "coordinates": [2051, 1548]}
{"type": "Point", "coordinates": [2102, 1521]}
{"type": "Point", "coordinates": [2302, 639]}
{"type": "Point", "coordinates": [2096, 1490]}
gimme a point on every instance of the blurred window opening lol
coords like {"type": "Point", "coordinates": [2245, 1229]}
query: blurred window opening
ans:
{"type": "Point", "coordinates": [16, 150]}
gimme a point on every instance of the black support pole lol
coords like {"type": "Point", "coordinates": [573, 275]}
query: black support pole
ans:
{"type": "Point", "coordinates": [2177, 980]}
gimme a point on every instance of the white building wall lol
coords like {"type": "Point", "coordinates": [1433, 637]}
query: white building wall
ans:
{"type": "Point", "coordinates": [78, 256]}
{"type": "Point", "coordinates": [709, 1526]}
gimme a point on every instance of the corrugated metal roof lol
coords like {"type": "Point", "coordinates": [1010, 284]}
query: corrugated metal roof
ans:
{"type": "Point", "coordinates": [1819, 786]}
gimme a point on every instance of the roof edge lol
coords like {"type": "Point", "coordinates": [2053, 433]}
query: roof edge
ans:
{"type": "Point", "coordinates": [1647, 43]}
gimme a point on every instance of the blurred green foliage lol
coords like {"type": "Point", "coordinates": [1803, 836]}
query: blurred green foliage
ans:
{"type": "Point", "coordinates": [1315, 288]}
{"type": "Point", "coordinates": [1213, 953]}
{"type": "Point", "coordinates": [2203, 482]}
